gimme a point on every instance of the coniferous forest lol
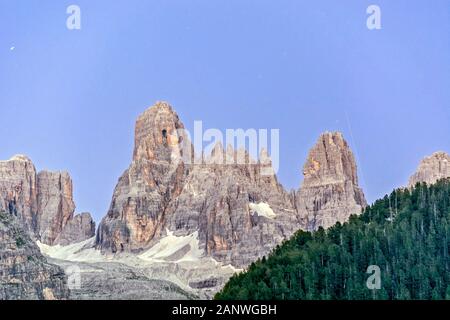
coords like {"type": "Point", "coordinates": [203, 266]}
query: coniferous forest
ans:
{"type": "Point", "coordinates": [406, 235]}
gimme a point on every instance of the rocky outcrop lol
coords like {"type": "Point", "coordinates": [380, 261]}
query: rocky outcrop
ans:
{"type": "Point", "coordinates": [24, 272]}
{"type": "Point", "coordinates": [130, 276]}
{"type": "Point", "coordinates": [240, 213]}
{"type": "Point", "coordinates": [330, 191]}
{"type": "Point", "coordinates": [117, 281]}
{"type": "Point", "coordinates": [234, 203]}
{"type": "Point", "coordinates": [432, 169]}
{"type": "Point", "coordinates": [43, 202]}
{"type": "Point", "coordinates": [18, 190]}
{"type": "Point", "coordinates": [161, 193]}
{"type": "Point", "coordinates": [156, 176]}
{"type": "Point", "coordinates": [55, 204]}
{"type": "Point", "coordinates": [78, 229]}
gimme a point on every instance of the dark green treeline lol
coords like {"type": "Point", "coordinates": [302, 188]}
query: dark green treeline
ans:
{"type": "Point", "coordinates": [406, 234]}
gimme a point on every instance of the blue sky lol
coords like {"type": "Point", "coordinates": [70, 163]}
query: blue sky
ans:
{"type": "Point", "coordinates": [69, 99]}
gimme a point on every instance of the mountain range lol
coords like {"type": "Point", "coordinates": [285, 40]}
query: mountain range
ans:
{"type": "Point", "coordinates": [174, 229]}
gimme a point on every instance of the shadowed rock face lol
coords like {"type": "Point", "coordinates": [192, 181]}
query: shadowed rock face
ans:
{"type": "Point", "coordinates": [55, 204]}
{"type": "Point", "coordinates": [159, 192]}
{"type": "Point", "coordinates": [78, 229]}
{"type": "Point", "coordinates": [240, 211]}
{"type": "Point", "coordinates": [432, 169]}
{"type": "Point", "coordinates": [43, 202]}
{"type": "Point", "coordinates": [24, 272]}
{"type": "Point", "coordinates": [18, 190]}
{"type": "Point", "coordinates": [330, 191]}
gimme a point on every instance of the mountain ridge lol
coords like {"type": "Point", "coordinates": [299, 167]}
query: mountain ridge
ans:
{"type": "Point", "coordinates": [42, 200]}
{"type": "Point", "coordinates": [160, 191]}
{"type": "Point", "coordinates": [168, 212]}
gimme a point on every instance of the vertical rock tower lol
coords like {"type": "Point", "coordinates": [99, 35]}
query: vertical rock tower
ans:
{"type": "Point", "coordinates": [55, 204]}
{"type": "Point", "coordinates": [432, 169]}
{"type": "Point", "coordinates": [330, 191]}
{"type": "Point", "coordinates": [155, 176]}
{"type": "Point", "coordinates": [232, 205]}
{"type": "Point", "coordinates": [18, 190]}
{"type": "Point", "coordinates": [42, 201]}
{"type": "Point", "coordinates": [236, 213]}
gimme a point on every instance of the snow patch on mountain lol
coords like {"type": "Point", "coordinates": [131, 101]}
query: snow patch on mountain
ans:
{"type": "Point", "coordinates": [79, 252]}
{"type": "Point", "coordinates": [173, 248]}
{"type": "Point", "coordinates": [177, 259]}
{"type": "Point", "coordinates": [262, 209]}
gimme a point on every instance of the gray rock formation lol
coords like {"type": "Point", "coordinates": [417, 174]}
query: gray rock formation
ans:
{"type": "Point", "coordinates": [432, 169]}
{"type": "Point", "coordinates": [78, 229]}
{"type": "Point", "coordinates": [55, 204]}
{"type": "Point", "coordinates": [160, 192]}
{"type": "Point", "coordinates": [24, 272]}
{"type": "Point", "coordinates": [239, 213]}
{"type": "Point", "coordinates": [117, 281]}
{"type": "Point", "coordinates": [18, 190]}
{"type": "Point", "coordinates": [330, 191]}
{"type": "Point", "coordinates": [156, 175]}
{"type": "Point", "coordinates": [43, 202]}
{"type": "Point", "coordinates": [238, 210]}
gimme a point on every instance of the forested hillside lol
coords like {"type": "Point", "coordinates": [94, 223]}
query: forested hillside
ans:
{"type": "Point", "coordinates": [406, 234]}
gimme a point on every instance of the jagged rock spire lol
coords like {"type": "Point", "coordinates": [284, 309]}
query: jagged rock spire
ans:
{"type": "Point", "coordinates": [330, 191]}
{"type": "Point", "coordinates": [157, 196]}
{"type": "Point", "coordinates": [155, 176]}
{"type": "Point", "coordinates": [158, 134]}
{"type": "Point", "coordinates": [233, 203]}
{"type": "Point", "coordinates": [42, 201]}
{"type": "Point", "coordinates": [432, 169]}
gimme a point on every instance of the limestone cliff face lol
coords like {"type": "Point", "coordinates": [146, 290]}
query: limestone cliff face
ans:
{"type": "Point", "coordinates": [239, 212]}
{"type": "Point", "coordinates": [24, 272]}
{"type": "Point", "coordinates": [161, 193]}
{"type": "Point", "coordinates": [43, 202]}
{"type": "Point", "coordinates": [234, 203]}
{"type": "Point", "coordinates": [155, 176]}
{"type": "Point", "coordinates": [81, 227]}
{"type": "Point", "coordinates": [330, 191]}
{"type": "Point", "coordinates": [432, 169]}
{"type": "Point", "coordinates": [18, 190]}
{"type": "Point", "coordinates": [55, 204]}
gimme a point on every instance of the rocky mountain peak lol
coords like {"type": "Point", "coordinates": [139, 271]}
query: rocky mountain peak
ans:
{"type": "Point", "coordinates": [157, 135]}
{"type": "Point", "coordinates": [243, 157]}
{"type": "Point", "coordinates": [42, 201]}
{"type": "Point", "coordinates": [330, 191]}
{"type": "Point", "coordinates": [330, 160]}
{"type": "Point", "coordinates": [18, 190]}
{"type": "Point", "coordinates": [217, 155]}
{"type": "Point", "coordinates": [55, 204]}
{"type": "Point", "coordinates": [431, 169]}
{"type": "Point", "coordinates": [77, 229]}
{"type": "Point", "coordinates": [229, 156]}
{"type": "Point", "coordinates": [213, 200]}
{"type": "Point", "coordinates": [233, 203]}
{"type": "Point", "coordinates": [155, 176]}
{"type": "Point", "coordinates": [20, 157]}
{"type": "Point", "coordinates": [265, 162]}
{"type": "Point", "coordinates": [264, 156]}
{"type": "Point", "coordinates": [24, 272]}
